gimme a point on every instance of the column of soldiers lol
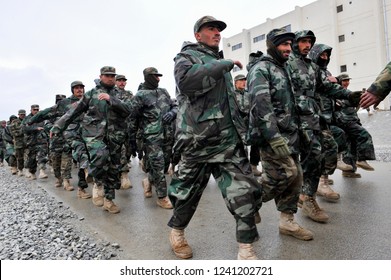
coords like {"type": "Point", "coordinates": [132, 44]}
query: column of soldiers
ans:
{"type": "Point", "coordinates": [293, 112]}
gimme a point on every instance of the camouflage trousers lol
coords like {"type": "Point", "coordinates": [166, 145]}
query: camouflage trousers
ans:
{"type": "Point", "coordinates": [105, 164]}
{"type": "Point", "coordinates": [360, 141]}
{"type": "Point", "coordinates": [79, 154]}
{"type": "Point", "coordinates": [282, 179]}
{"type": "Point", "coordinates": [240, 189]}
{"type": "Point", "coordinates": [61, 158]}
{"type": "Point", "coordinates": [167, 152]}
{"type": "Point", "coordinates": [330, 152]}
{"type": "Point", "coordinates": [2, 153]}
{"type": "Point", "coordinates": [10, 155]}
{"type": "Point", "coordinates": [125, 156]}
{"type": "Point", "coordinates": [30, 159]}
{"type": "Point", "coordinates": [155, 163]}
{"type": "Point", "coordinates": [19, 155]}
{"type": "Point", "coordinates": [339, 137]}
{"type": "Point", "coordinates": [42, 156]}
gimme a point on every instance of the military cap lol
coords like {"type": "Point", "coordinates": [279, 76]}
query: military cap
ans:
{"type": "Point", "coordinates": [305, 34]}
{"type": "Point", "coordinates": [77, 83]}
{"type": "Point", "coordinates": [120, 77]}
{"type": "Point", "coordinates": [34, 106]}
{"type": "Point", "coordinates": [13, 117]}
{"type": "Point", "coordinates": [209, 19]}
{"type": "Point", "coordinates": [279, 35]}
{"type": "Point", "coordinates": [240, 77]}
{"type": "Point", "coordinates": [151, 71]}
{"type": "Point", "coordinates": [107, 70]}
{"type": "Point", "coordinates": [343, 77]}
{"type": "Point", "coordinates": [21, 111]}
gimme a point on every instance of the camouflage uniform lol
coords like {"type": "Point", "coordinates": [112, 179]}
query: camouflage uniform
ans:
{"type": "Point", "coordinates": [305, 77]}
{"type": "Point", "coordinates": [103, 129]}
{"type": "Point", "coordinates": [381, 87]}
{"type": "Point", "coordinates": [9, 155]}
{"type": "Point", "coordinates": [2, 142]}
{"type": "Point", "coordinates": [16, 130]}
{"type": "Point", "coordinates": [210, 140]}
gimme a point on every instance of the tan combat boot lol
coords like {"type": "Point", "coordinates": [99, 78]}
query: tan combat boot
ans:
{"type": "Point", "coordinates": [97, 195]}
{"type": "Point", "coordinates": [325, 190]}
{"type": "Point", "coordinates": [42, 174]}
{"type": "Point", "coordinates": [312, 209]}
{"type": "Point", "coordinates": [164, 202]}
{"type": "Point", "coordinates": [1, 164]}
{"type": "Point", "coordinates": [179, 244]}
{"type": "Point", "coordinates": [125, 182]}
{"type": "Point", "coordinates": [81, 193]}
{"type": "Point", "coordinates": [20, 173]}
{"type": "Point", "coordinates": [147, 188]}
{"type": "Point", "coordinates": [110, 206]}
{"type": "Point", "coordinates": [58, 183]}
{"type": "Point", "coordinates": [27, 173]}
{"type": "Point", "coordinates": [341, 165]}
{"type": "Point", "coordinates": [351, 174]}
{"type": "Point", "coordinates": [14, 170]}
{"type": "Point", "coordinates": [364, 165]}
{"type": "Point", "coordinates": [67, 185]}
{"type": "Point", "coordinates": [246, 252]}
{"type": "Point", "coordinates": [32, 176]}
{"type": "Point", "coordinates": [289, 227]}
{"type": "Point", "coordinates": [256, 172]}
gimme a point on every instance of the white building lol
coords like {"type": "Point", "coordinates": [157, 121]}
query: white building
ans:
{"type": "Point", "coordinates": [357, 30]}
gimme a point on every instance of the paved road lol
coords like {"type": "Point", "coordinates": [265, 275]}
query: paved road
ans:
{"type": "Point", "coordinates": [359, 227]}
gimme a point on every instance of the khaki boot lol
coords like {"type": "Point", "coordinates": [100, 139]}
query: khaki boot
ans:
{"type": "Point", "coordinates": [246, 252]}
{"type": "Point", "coordinates": [110, 206]}
{"type": "Point", "coordinates": [351, 174]}
{"type": "Point", "coordinates": [67, 185]}
{"type": "Point", "coordinates": [1, 164]}
{"type": "Point", "coordinates": [32, 176]}
{"type": "Point", "coordinates": [42, 174]}
{"type": "Point", "coordinates": [125, 182]}
{"type": "Point", "coordinates": [97, 195]}
{"type": "Point", "coordinates": [341, 165]}
{"type": "Point", "coordinates": [27, 173]}
{"type": "Point", "coordinates": [364, 165]}
{"type": "Point", "coordinates": [179, 244]}
{"type": "Point", "coordinates": [58, 183]}
{"type": "Point", "coordinates": [289, 227]}
{"type": "Point", "coordinates": [256, 172]}
{"type": "Point", "coordinates": [147, 188]}
{"type": "Point", "coordinates": [164, 202]}
{"type": "Point", "coordinates": [331, 181]}
{"type": "Point", "coordinates": [14, 170]}
{"type": "Point", "coordinates": [312, 210]}
{"type": "Point", "coordinates": [325, 190]}
{"type": "Point", "coordinates": [20, 173]}
{"type": "Point", "coordinates": [81, 193]}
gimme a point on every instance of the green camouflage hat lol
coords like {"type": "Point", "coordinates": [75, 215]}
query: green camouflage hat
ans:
{"type": "Point", "coordinates": [34, 106]}
{"type": "Point", "coordinates": [209, 19]}
{"type": "Point", "coordinates": [107, 70]}
{"type": "Point", "coordinates": [120, 77]}
{"type": "Point", "coordinates": [13, 117]}
{"type": "Point", "coordinates": [21, 112]}
{"type": "Point", "coordinates": [151, 71]}
{"type": "Point", "coordinates": [240, 77]}
{"type": "Point", "coordinates": [77, 83]}
{"type": "Point", "coordinates": [279, 35]}
{"type": "Point", "coordinates": [343, 77]}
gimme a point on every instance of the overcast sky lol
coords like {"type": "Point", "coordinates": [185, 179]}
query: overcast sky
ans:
{"type": "Point", "coordinates": [47, 44]}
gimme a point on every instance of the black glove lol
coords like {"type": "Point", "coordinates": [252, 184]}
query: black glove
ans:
{"type": "Point", "coordinates": [168, 117]}
{"type": "Point", "coordinates": [280, 147]}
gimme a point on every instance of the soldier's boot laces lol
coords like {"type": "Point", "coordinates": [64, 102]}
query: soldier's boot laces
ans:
{"type": "Point", "coordinates": [246, 252]}
{"type": "Point", "coordinates": [97, 195]}
{"type": "Point", "coordinates": [82, 193]}
{"type": "Point", "coordinates": [288, 226]}
{"type": "Point", "coordinates": [110, 206]}
{"type": "Point", "coordinates": [125, 182]}
{"type": "Point", "coordinates": [147, 188]}
{"type": "Point", "coordinates": [42, 174]}
{"type": "Point", "coordinates": [179, 244]}
{"type": "Point", "coordinates": [341, 165]}
{"type": "Point", "coordinates": [311, 208]}
{"type": "Point", "coordinates": [364, 165]}
{"type": "Point", "coordinates": [67, 185]}
{"type": "Point", "coordinates": [164, 202]}
{"type": "Point", "coordinates": [255, 170]}
{"type": "Point", "coordinates": [325, 190]}
{"type": "Point", "coordinates": [58, 183]}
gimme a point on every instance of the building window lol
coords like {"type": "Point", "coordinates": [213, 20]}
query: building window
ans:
{"type": "Point", "coordinates": [237, 46]}
{"type": "Point", "coordinates": [259, 38]}
{"type": "Point", "coordinates": [341, 38]}
{"type": "Point", "coordinates": [287, 28]}
{"type": "Point", "coordinates": [236, 69]}
{"type": "Point", "coordinates": [343, 68]}
{"type": "Point", "coordinates": [339, 8]}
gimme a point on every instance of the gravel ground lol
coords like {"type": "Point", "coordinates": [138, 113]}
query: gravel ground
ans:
{"type": "Point", "coordinates": [35, 226]}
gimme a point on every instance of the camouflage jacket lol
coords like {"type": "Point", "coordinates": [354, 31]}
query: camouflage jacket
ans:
{"type": "Point", "coordinates": [7, 137]}
{"type": "Point", "coordinates": [209, 120]}
{"type": "Point", "coordinates": [307, 80]}
{"type": "Point", "coordinates": [124, 95]}
{"type": "Point", "coordinates": [2, 141]}
{"type": "Point", "coordinates": [103, 120]}
{"type": "Point", "coordinates": [273, 111]}
{"type": "Point", "coordinates": [346, 113]}
{"type": "Point", "coordinates": [33, 136]}
{"type": "Point", "coordinates": [56, 112]}
{"type": "Point", "coordinates": [148, 107]}
{"type": "Point", "coordinates": [381, 87]}
{"type": "Point", "coordinates": [16, 130]}
{"type": "Point", "coordinates": [243, 99]}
